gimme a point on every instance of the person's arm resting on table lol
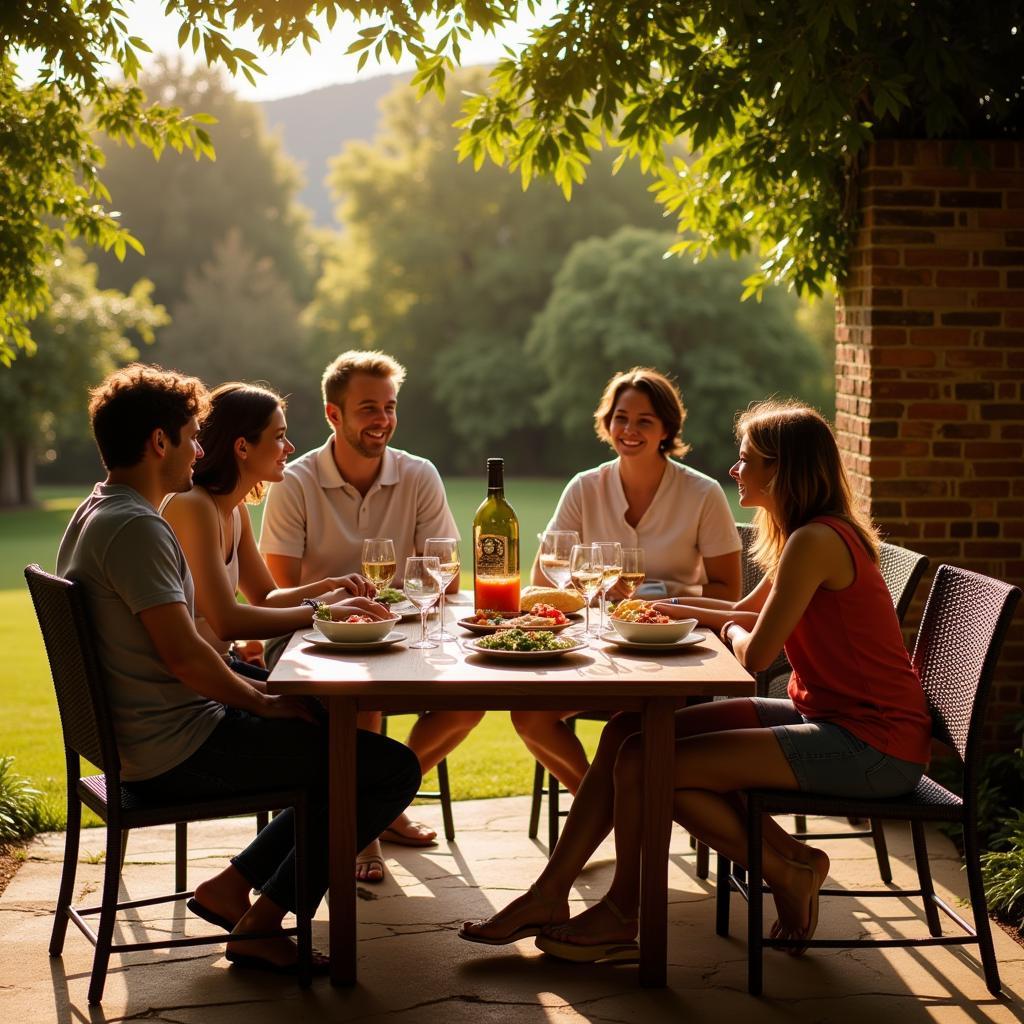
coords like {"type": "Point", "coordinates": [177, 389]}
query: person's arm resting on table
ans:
{"type": "Point", "coordinates": [814, 555]}
{"type": "Point", "coordinates": [189, 657]}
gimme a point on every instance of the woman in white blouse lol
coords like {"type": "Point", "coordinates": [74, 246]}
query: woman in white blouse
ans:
{"type": "Point", "coordinates": [643, 498]}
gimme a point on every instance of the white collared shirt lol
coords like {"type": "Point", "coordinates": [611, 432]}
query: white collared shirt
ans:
{"type": "Point", "coordinates": [688, 520]}
{"type": "Point", "coordinates": [316, 515]}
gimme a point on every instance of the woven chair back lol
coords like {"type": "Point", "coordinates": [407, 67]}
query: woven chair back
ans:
{"type": "Point", "coordinates": [957, 647]}
{"type": "Point", "coordinates": [902, 570]}
{"type": "Point", "coordinates": [751, 571]}
{"type": "Point", "coordinates": [67, 634]}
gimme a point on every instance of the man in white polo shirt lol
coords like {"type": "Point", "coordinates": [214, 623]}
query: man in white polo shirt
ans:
{"type": "Point", "coordinates": [353, 487]}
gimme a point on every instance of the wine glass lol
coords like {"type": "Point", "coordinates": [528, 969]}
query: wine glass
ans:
{"type": "Point", "coordinates": [555, 548]}
{"type": "Point", "coordinates": [379, 562]}
{"type": "Point", "coordinates": [422, 586]}
{"type": "Point", "coordinates": [633, 573]}
{"type": "Point", "coordinates": [446, 551]}
{"type": "Point", "coordinates": [586, 570]}
{"type": "Point", "coordinates": [611, 557]}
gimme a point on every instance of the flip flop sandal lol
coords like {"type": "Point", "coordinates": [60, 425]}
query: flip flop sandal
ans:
{"type": "Point", "coordinates": [605, 952]}
{"type": "Point", "coordinates": [390, 835]}
{"type": "Point", "coordinates": [247, 961]}
{"type": "Point", "coordinates": [526, 931]}
{"type": "Point", "coordinates": [209, 915]}
{"type": "Point", "coordinates": [370, 861]}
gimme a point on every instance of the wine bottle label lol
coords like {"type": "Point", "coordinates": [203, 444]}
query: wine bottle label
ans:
{"type": "Point", "coordinates": [492, 555]}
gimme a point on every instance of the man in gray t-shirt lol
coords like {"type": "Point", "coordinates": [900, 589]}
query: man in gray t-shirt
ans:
{"type": "Point", "coordinates": [186, 726]}
{"type": "Point", "coordinates": [129, 560]}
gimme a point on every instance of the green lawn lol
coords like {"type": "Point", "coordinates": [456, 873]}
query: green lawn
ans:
{"type": "Point", "coordinates": [492, 762]}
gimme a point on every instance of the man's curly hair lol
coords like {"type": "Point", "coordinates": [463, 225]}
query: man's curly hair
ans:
{"type": "Point", "coordinates": [134, 401]}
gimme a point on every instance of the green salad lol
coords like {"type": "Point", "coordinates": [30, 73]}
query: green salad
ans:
{"type": "Point", "coordinates": [524, 640]}
{"type": "Point", "coordinates": [388, 595]}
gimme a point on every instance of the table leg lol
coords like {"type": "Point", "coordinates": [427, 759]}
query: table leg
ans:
{"type": "Point", "coordinates": [342, 845]}
{"type": "Point", "coordinates": [658, 745]}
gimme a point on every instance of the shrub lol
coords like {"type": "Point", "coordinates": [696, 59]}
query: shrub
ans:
{"type": "Point", "coordinates": [1002, 868]}
{"type": "Point", "coordinates": [23, 811]}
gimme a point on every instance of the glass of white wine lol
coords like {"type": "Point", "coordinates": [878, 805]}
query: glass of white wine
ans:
{"type": "Point", "coordinates": [422, 586]}
{"type": "Point", "coordinates": [586, 570]}
{"type": "Point", "coordinates": [379, 562]}
{"type": "Point", "coordinates": [555, 548]}
{"type": "Point", "coordinates": [633, 572]}
{"type": "Point", "coordinates": [446, 551]}
{"type": "Point", "coordinates": [611, 556]}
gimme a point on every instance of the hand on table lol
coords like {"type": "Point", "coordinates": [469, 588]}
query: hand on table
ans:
{"type": "Point", "coordinates": [352, 585]}
{"type": "Point", "coordinates": [360, 606]}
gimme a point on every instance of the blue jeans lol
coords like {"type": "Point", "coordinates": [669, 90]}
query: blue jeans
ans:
{"type": "Point", "coordinates": [247, 754]}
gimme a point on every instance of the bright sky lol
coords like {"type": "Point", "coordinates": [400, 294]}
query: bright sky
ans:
{"type": "Point", "coordinates": [297, 71]}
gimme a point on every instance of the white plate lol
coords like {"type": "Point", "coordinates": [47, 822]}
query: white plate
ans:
{"type": "Point", "coordinates": [319, 640]}
{"type": "Point", "coordinates": [483, 630]}
{"type": "Point", "coordinates": [611, 637]}
{"type": "Point", "coordinates": [473, 648]}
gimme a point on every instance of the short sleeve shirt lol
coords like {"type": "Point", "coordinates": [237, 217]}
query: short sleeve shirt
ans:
{"type": "Point", "coordinates": [127, 558]}
{"type": "Point", "coordinates": [314, 514]}
{"type": "Point", "coordinates": [688, 520]}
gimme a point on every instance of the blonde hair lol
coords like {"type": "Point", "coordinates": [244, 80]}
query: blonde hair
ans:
{"type": "Point", "coordinates": [665, 400]}
{"type": "Point", "coordinates": [335, 380]}
{"type": "Point", "coordinates": [809, 480]}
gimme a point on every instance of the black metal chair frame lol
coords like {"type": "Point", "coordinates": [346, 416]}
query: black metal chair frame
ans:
{"type": "Point", "coordinates": [962, 606]}
{"type": "Point", "coordinates": [88, 733]}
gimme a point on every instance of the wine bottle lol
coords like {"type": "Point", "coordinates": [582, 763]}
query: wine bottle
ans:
{"type": "Point", "coordinates": [496, 547]}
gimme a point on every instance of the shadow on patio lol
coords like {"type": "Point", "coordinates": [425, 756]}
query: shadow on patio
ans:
{"type": "Point", "coordinates": [413, 967]}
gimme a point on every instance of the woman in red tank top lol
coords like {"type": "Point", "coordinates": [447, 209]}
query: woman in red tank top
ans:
{"type": "Point", "coordinates": [855, 722]}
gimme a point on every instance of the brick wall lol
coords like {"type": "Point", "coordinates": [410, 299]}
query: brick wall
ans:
{"type": "Point", "coordinates": [930, 363]}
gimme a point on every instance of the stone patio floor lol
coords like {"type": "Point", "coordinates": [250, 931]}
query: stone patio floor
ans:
{"type": "Point", "coordinates": [413, 967]}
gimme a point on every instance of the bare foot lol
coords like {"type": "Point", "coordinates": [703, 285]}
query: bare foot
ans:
{"type": "Point", "coordinates": [524, 916]}
{"type": "Point", "coordinates": [598, 925]}
{"type": "Point", "coordinates": [411, 833]}
{"type": "Point", "coordinates": [370, 864]}
{"type": "Point", "coordinates": [224, 897]}
{"type": "Point", "coordinates": [817, 861]}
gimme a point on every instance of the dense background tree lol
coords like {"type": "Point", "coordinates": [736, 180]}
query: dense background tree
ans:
{"type": "Point", "coordinates": [617, 302]}
{"type": "Point", "coordinates": [446, 267]}
{"type": "Point", "coordinates": [181, 208]}
{"type": "Point", "coordinates": [84, 334]}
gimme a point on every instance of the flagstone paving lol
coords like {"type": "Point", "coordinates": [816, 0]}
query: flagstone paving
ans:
{"type": "Point", "coordinates": [413, 967]}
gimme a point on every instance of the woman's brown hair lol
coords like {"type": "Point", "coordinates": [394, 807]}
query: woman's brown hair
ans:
{"type": "Point", "coordinates": [665, 399]}
{"type": "Point", "coordinates": [235, 410]}
{"type": "Point", "coordinates": [809, 480]}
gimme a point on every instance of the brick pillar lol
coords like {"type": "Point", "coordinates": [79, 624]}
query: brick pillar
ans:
{"type": "Point", "coordinates": [929, 367]}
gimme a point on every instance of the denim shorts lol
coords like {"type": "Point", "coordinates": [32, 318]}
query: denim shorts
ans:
{"type": "Point", "coordinates": [826, 758]}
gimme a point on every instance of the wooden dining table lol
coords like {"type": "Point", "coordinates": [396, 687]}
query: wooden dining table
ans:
{"type": "Point", "coordinates": [449, 677]}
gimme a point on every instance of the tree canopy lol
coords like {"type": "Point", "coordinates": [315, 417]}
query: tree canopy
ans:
{"type": "Point", "coordinates": [616, 303]}
{"type": "Point", "coordinates": [775, 99]}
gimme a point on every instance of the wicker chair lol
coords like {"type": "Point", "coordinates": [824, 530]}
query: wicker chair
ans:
{"type": "Point", "coordinates": [958, 644]}
{"type": "Point", "coordinates": [88, 732]}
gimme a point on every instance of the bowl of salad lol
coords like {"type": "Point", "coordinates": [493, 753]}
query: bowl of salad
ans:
{"type": "Point", "coordinates": [640, 622]}
{"type": "Point", "coordinates": [354, 629]}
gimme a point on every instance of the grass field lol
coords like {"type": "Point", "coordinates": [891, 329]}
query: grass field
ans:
{"type": "Point", "coordinates": [492, 762]}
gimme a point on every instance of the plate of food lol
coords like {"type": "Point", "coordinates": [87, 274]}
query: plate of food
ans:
{"type": "Point", "coordinates": [568, 602]}
{"type": "Point", "coordinates": [399, 604]}
{"type": "Point", "coordinates": [611, 637]}
{"type": "Point", "coordinates": [539, 617]}
{"type": "Point", "coordinates": [515, 644]}
{"type": "Point", "coordinates": [319, 640]}
{"type": "Point", "coordinates": [640, 623]}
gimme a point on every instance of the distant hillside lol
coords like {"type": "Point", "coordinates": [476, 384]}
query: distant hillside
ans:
{"type": "Point", "coordinates": [315, 125]}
